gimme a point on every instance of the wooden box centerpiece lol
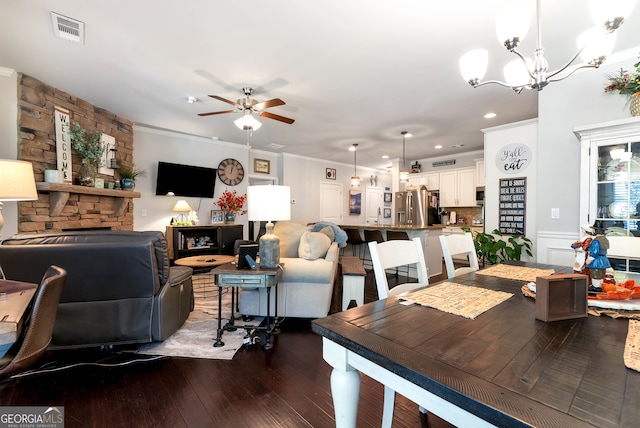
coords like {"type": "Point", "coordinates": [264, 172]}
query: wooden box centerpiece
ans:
{"type": "Point", "coordinates": [561, 297]}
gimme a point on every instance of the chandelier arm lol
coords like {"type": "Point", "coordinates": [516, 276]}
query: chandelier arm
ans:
{"type": "Point", "coordinates": [560, 70]}
{"type": "Point", "coordinates": [486, 82]}
{"type": "Point", "coordinates": [590, 65]}
{"type": "Point", "coordinates": [524, 60]}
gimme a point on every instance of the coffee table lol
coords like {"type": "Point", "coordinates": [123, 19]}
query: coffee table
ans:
{"type": "Point", "coordinates": [204, 264]}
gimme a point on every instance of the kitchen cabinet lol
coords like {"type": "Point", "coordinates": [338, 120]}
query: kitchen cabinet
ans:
{"type": "Point", "coordinates": [458, 188]}
{"type": "Point", "coordinates": [429, 179]}
{"type": "Point", "coordinates": [480, 180]}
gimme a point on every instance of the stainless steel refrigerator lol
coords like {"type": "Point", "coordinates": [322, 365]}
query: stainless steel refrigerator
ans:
{"type": "Point", "coordinates": [416, 206]}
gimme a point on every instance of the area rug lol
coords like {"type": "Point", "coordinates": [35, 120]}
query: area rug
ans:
{"type": "Point", "coordinates": [196, 336]}
{"type": "Point", "coordinates": [457, 299]}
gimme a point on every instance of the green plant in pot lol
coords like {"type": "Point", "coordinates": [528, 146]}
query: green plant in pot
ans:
{"type": "Point", "coordinates": [128, 175]}
{"type": "Point", "coordinates": [492, 249]}
{"type": "Point", "coordinates": [90, 148]}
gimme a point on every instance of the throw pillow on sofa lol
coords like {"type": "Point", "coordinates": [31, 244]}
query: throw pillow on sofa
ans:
{"type": "Point", "coordinates": [313, 245]}
{"type": "Point", "coordinates": [289, 234]}
{"type": "Point", "coordinates": [329, 232]}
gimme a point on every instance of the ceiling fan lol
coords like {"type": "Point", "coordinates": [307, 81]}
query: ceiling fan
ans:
{"type": "Point", "coordinates": [248, 105]}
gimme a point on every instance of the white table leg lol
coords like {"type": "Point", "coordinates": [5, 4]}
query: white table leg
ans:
{"type": "Point", "coordinates": [345, 389]}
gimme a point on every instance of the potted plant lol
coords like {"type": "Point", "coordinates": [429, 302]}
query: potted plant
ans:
{"type": "Point", "coordinates": [492, 249]}
{"type": "Point", "coordinates": [231, 204]}
{"type": "Point", "coordinates": [90, 148]}
{"type": "Point", "coordinates": [128, 175]}
{"type": "Point", "coordinates": [627, 84]}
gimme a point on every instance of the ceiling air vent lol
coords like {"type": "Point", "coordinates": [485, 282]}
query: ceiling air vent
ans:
{"type": "Point", "coordinates": [68, 28]}
{"type": "Point", "coordinates": [274, 146]}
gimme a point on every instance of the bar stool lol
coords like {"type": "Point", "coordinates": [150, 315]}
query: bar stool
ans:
{"type": "Point", "coordinates": [372, 235]}
{"type": "Point", "coordinates": [354, 239]}
{"type": "Point", "coordinates": [399, 235]}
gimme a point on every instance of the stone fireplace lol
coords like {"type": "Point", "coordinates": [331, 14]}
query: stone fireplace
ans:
{"type": "Point", "coordinates": [65, 206]}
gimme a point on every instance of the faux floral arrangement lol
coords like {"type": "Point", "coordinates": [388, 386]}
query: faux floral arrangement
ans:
{"type": "Point", "coordinates": [230, 202]}
{"type": "Point", "coordinates": [623, 82]}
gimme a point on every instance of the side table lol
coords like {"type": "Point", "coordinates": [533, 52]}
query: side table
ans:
{"type": "Point", "coordinates": [229, 276]}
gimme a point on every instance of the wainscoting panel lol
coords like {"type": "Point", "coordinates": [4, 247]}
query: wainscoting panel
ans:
{"type": "Point", "coordinates": [555, 248]}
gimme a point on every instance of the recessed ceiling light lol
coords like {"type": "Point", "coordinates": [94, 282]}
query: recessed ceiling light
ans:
{"type": "Point", "coordinates": [439, 146]}
{"type": "Point", "coordinates": [489, 115]}
{"type": "Point", "coordinates": [385, 156]}
{"type": "Point", "coordinates": [191, 100]}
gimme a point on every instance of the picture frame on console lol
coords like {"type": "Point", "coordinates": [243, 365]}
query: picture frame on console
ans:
{"type": "Point", "coordinates": [217, 216]}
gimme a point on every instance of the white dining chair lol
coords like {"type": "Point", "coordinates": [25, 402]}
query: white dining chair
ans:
{"type": "Point", "coordinates": [388, 255]}
{"type": "Point", "coordinates": [459, 245]}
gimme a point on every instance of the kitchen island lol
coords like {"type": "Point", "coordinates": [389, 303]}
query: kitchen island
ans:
{"type": "Point", "coordinates": [427, 234]}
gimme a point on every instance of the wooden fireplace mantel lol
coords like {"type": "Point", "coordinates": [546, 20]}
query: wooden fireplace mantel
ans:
{"type": "Point", "coordinates": [59, 195]}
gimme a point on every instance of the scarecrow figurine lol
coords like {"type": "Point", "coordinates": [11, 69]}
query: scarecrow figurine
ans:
{"type": "Point", "coordinates": [597, 261]}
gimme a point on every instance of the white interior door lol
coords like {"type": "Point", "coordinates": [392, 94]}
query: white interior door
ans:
{"type": "Point", "coordinates": [374, 204]}
{"type": "Point", "coordinates": [331, 202]}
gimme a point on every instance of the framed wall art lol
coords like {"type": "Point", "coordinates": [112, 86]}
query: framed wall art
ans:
{"type": "Point", "coordinates": [331, 174]}
{"type": "Point", "coordinates": [262, 166]}
{"type": "Point", "coordinates": [387, 197]}
{"type": "Point", "coordinates": [355, 202]}
{"type": "Point", "coordinates": [387, 213]}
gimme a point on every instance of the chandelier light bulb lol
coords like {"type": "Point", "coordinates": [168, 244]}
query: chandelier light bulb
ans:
{"type": "Point", "coordinates": [512, 24]}
{"type": "Point", "coordinates": [473, 65]}
{"type": "Point", "coordinates": [247, 122]}
{"type": "Point", "coordinates": [596, 45]}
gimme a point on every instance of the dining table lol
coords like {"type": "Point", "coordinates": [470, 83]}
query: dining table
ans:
{"type": "Point", "coordinates": [497, 366]}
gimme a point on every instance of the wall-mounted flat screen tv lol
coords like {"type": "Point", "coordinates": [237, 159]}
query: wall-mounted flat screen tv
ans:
{"type": "Point", "coordinates": [185, 180]}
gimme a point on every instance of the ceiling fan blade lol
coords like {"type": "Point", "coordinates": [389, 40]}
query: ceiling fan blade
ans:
{"type": "Point", "coordinates": [277, 117]}
{"type": "Point", "coordinates": [270, 103]}
{"type": "Point", "coordinates": [216, 112]}
{"type": "Point", "coordinates": [233, 103]}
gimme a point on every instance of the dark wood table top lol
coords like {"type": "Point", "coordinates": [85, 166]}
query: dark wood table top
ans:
{"type": "Point", "coordinates": [505, 366]}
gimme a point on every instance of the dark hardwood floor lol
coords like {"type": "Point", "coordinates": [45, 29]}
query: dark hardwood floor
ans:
{"type": "Point", "coordinates": [285, 387]}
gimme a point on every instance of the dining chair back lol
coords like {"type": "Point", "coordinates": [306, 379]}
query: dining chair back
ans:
{"type": "Point", "coordinates": [354, 239]}
{"type": "Point", "coordinates": [38, 326]}
{"type": "Point", "coordinates": [391, 254]}
{"type": "Point", "coordinates": [456, 245]}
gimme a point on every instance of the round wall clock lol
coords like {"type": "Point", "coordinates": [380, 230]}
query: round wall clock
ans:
{"type": "Point", "coordinates": [230, 172]}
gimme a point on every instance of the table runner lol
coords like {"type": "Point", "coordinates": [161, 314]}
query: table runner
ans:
{"type": "Point", "coordinates": [457, 299]}
{"type": "Point", "coordinates": [632, 346]}
{"type": "Point", "coordinates": [519, 273]}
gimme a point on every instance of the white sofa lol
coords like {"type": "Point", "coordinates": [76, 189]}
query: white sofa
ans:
{"type": "Point", "coordinates": [309, 272]}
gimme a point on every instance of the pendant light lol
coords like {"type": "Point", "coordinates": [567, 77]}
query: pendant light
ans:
{"type": "Point", "coordinates": [355, 180]}
{"type": "Point", "coordinates": [404, 172]}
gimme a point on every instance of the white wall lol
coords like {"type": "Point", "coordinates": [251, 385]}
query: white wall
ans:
{"type": "Point", "coordinates": [578, 100]}
{"type": "Point", "coordinates": [525, 133]}
{"type": "Point", "coordinates": [153, 145]}
{"type": "Point", "coordinates": [304, 175]}
{"type": "Point", "coordinates": [9, 140]}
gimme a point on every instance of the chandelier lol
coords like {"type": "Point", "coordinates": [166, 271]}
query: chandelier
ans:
{"type": "Point", "coordinates": [355, 180]}
{"type": "Point", "coordinates": [511, 27]}
{"type": "Point", "coordinates": [404, 172]}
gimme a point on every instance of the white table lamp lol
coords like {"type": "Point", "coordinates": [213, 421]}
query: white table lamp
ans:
{"type": "Point", "coordinates": [182, 207]}
{"type": "Point", "coordinates": [269, 203]}
{"type": "Point", "coordinates": [16, 183]}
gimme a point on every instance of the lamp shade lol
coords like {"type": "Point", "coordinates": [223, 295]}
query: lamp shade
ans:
{"type": "Point", "coordinates": [16, 181]}
{"type": "Point", "coordinates": [182, 205]}
{"type": "Point", "coordinates": [247, 122]}
{"type": "Point", "coordinates": [595, 43]}
{"type": "Point", "coordinates": [473, 64]}
{"type": "Point", "coordinates": [268, 202]}
{"type": "Point", "coordinates": [603, 11]}
{"type": "Point", "coordinates": [514, 21]}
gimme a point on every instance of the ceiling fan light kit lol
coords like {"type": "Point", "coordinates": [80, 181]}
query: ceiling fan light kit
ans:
{"type": "Point", "coordinates": [248, 106]}
{"type": "Point", "coordinates": [525, 73]}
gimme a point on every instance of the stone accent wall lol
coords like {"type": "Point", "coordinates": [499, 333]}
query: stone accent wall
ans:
{"type": "Point", "coordinates": [36, 144]}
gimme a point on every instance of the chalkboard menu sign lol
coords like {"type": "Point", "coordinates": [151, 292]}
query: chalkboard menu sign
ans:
{"type": "Point", "coordinates": [513, 205]}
